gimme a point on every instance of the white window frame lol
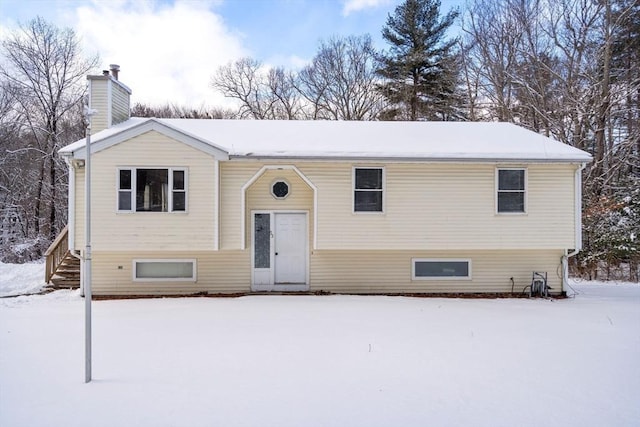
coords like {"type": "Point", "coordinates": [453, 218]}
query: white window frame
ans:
{"type": "Point", "coordinates": [193, 261]}
{"type": "Point", "coordinates": [130, 190]}
{"type": "Point", "coordinates": [170, 189]}
{"type": "Point", "coordinates": [354, 189]}
{"type": "Point", "coordinates": [437, 278]}
{"type": "Point", "coordinates": [525, 191]}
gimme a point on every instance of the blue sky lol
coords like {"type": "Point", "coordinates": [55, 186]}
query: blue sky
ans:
{"type": "Point", "coordinates": [178, 44]}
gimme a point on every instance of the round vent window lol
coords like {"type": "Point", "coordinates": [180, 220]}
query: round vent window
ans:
{"type": "Point", "coordinates": [280, 189]}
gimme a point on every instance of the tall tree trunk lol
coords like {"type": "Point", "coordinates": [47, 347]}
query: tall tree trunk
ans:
{"type": "Point", "coordinates": [601, 168]}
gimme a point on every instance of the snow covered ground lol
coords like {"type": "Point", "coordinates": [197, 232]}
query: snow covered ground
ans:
{"type": "Point", "coordinates": [21, 279]}
{"type": "Point", "coordinates": [322, 360]}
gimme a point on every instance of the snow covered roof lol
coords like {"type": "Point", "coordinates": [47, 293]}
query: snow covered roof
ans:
{"type": "Point", "coordinates": [291, 139]}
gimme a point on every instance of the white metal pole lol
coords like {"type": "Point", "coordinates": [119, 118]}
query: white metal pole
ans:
{"type": "Point", "coordinates": [87, 253]}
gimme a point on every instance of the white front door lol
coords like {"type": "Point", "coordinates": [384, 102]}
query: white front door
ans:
{"type": "Point", "coordinates": [280, 251]}
{"type": "Point", "coordinates": [290, 248]}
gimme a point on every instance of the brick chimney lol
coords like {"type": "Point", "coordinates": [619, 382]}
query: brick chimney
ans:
{"type": "Point", "coordinates": [110, 97]}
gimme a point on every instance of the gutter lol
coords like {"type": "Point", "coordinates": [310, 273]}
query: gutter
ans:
{"type": "Point", "coordinates": [403, 159]}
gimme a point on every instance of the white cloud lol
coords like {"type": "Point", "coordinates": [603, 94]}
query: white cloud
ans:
{"type": "Point", "coordinates": [358, 5]}
{"type": "Point", "coordinates": [166, 52]}
{"type": "Point", "coordinates": [290, 62]}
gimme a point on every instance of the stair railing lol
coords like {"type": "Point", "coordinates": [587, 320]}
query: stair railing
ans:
{"type": "Point", "coordinates": [56, 253]}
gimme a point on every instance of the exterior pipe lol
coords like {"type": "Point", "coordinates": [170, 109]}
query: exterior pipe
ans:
{"type": "Point", "coordinates": [87, 252]}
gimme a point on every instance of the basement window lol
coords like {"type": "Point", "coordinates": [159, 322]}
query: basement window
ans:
{"type": "Point", "coordinates": [152, 190]}
{"type": "Point", "coordinates": [440, 269]}
{"type": "Point", "coordinates": [181, 270]}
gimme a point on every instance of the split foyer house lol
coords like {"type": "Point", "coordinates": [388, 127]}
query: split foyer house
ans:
{"type": "Point", "coordinates": [184, 206]}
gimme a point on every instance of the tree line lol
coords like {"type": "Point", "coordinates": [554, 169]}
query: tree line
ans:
{"type": "Point", "coordinates": [568, 69]}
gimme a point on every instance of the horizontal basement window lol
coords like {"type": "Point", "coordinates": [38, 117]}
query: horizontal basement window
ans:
{"type": "Point", "coordinates": [154, 270]}
{"type": "Point", "coordinates": [440, 269]}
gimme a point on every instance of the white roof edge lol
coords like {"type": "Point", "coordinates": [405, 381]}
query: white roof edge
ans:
{"type": "Point", "coordinates": [78, 148]}
{"type": "Point", "coordinates": [416, 159]}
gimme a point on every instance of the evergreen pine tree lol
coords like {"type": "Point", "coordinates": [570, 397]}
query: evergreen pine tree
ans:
{"type": "Point", "coordinates": [420, 67]}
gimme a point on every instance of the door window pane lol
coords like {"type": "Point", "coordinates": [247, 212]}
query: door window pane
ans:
{"type": "Point", "coordinates": [262, 241]}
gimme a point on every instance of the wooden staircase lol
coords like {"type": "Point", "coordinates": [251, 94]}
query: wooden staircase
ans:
{"type": "Point", "coordinates": [62, 270]}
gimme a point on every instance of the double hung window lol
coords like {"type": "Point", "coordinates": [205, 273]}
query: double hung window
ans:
{"type": "Point", "coordinates": [368, 191]}
{"type": "Point", "coordinates": [152, 190]}
{"type": "Point", "coordinates": [511, 189]}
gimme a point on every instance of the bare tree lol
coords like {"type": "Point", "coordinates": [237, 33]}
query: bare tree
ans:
{"type": "Point", "coordinates": [568, 69]}
{"type": "Point", "coordinates": [43, 70]}
{"type": "Point", "coordinates": [168, 111]}
{"type": "Point", "coordinates": [262, 94]}
{"type": "Point", "coordinates": [340, 83]}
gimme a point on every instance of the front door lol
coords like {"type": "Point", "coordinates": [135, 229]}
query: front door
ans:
{"type": "Point", "coordinates": [280, 251]}
{"type": "Point", "coordinates": [290, 248]}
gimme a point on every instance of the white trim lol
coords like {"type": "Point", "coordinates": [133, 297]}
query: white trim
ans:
{"type": "Point", "coordinates": [132, 196]}
{"type": "Point", "coordinates": [578, 208]}
{"type": "Point", "coordinates": [216, 201]}
{"type": "Point", "coordinates": [254, 178]}
{"type": "Point", "coordinates": [497, 189]}
{"type": "Point", "coordinates": [274, 286]}
{"type": "Point", "coordinates": [109, 104]}
{"type": "Point", "coordinates": [71, 214]}
{"type": "Point", "coordinates": [153, 125]}
{"type": "Point", "coordinates": [193, 278]}
{"type": "Point", "coordinates": [170, 190]}
{"type": "Point", "coordinates": [432, 278]}
{"type": "Point", "coordinates": [353, 190]}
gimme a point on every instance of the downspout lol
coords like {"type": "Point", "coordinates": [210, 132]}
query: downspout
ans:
{"type": "Point", "coordinates": [578, 225]}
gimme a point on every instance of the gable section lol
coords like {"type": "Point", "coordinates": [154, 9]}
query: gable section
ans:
{"type": "Point", "coordinates": [151, 149]}
{"type": "Point", "coordinates": [153, 126]}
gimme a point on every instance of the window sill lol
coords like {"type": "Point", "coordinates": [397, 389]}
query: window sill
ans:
{"type": "Point", "coordinates": [150, 213]}
{"type": "Point", "coordinates": [511, 214]}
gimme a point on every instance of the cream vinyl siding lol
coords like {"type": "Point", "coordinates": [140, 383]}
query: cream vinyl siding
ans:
{"type": "Point", "coordinates": [217, 272]}
{"type": "Point", "coordinates": [99, 101]}
{"type": "Point", "coordinates": [444, 206]}
{"type": "Point", "coordinates": [233, 176]}
{"type": "Point", "coordinates": [333, 271]}
{"type": "Point", "coordinates": [111, 230]}
{"type": "Point", "coordinates": [427, 206]}
{"type": "Point", "coordinates": [119, 104]}
{"type": "Point", "coordinates": [390, 271]}
{"type": "Point", "coordinates": [259, 198]}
